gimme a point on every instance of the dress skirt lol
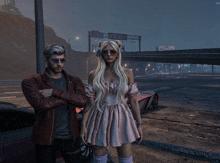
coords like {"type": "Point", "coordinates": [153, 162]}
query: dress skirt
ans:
{"type": "Point", "coordinates": [113, 126]}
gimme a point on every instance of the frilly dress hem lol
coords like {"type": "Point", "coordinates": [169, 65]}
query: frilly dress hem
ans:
{"type": "Point", "coordinates": [114, 125]}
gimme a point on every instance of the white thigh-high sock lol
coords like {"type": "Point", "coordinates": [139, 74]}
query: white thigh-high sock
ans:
{"type": "Point", "coordinates": [125, 160]}
{"type": "Point", "coordinates": [99, 159]}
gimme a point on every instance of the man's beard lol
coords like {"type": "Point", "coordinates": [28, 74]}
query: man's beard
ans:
{"type": "Point", "coordinates": [54, 69]}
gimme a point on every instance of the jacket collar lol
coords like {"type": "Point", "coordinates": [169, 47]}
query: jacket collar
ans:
{"type": "Point", "coordinates": [47, 79]}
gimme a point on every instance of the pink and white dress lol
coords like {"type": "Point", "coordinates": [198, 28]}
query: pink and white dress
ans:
{"type": "Point", "coordinates": [114, 125]}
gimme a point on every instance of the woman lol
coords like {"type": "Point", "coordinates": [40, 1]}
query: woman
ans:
{"type": "Point", "coordinates": [107, 119]}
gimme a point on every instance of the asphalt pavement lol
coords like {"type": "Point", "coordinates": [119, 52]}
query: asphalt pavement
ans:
{"type": "Point", "coordinates": [186, 125]}
{"type": "Point", "coordinates": [184, 128]}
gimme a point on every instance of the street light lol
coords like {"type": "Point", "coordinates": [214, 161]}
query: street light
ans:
{"type": "Point", "coordinates": [76, 43]}
{"type": "Point", "coordinates": [125, 65]}
{"type": "Point", "coordinates": [94, 47]}
{"type": "Point", "coordinates": [76, 38]}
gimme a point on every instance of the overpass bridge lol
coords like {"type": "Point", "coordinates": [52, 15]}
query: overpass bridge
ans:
{"type": "Point", "coordinates": [191, 56]}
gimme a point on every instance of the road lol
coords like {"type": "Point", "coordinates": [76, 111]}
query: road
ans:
{"type": "Point", "coordinates": [9, 83]}
{"type": "Point", "coordinates": [10, 89]}
{"type": "Point", "coordinates": [192, 91]}
{"type": "Point", "coordinates": [186, 125]}
{"type": "Point", "coordinates": [184, 128]}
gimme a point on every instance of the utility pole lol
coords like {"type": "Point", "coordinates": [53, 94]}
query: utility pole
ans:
{"type": "Point", "coordinates": [212, 69]}
{"type": "Point", "coordinates": [89, 41]}
{"type": "Point", "coordinates": [39, 28]}
{"type": "Point", "coordinates": [123, 48]}
{"type": "Point", "coordinates": [169, 68]}
{"type": "Point", "coordinates": [139, 43]}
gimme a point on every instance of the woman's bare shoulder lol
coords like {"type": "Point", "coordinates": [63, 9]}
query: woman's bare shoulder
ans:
{"type": "Point", "coordinates": [92, 73]}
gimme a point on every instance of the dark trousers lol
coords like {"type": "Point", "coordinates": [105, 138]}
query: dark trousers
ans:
{"type": "Point", "coordinates": [69, 149]}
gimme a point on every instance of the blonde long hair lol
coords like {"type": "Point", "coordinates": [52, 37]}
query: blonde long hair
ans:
{"type": "Point", "coordinates": [98, 80]}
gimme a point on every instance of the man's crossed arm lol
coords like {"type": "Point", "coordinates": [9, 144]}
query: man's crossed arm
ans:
{"type": "Point", "coordinates": [52, 98]}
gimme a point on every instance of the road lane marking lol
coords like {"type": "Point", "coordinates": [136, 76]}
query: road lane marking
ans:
{"type": "Point", "coordinates": [216, 86]}
{"type": "Point", "coordinates": [8, 97]}
{"type": "Point", "coordinates": [12, 92]}
{"type": "Point", "coordinates": [9, 87]}
{"type": "Point", "coordinates": [155, 90]}
{"type": "Point", "coordinates": [202, 75]}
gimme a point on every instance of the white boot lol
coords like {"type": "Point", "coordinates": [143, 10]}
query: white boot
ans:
{"type": "Point", "coordinates": [125, 160]}
{"type": "Point", "coordinates": [99, 159]}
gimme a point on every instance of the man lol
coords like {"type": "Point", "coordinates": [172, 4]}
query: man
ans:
{"type": "Point", "coordinates": [54, 95]}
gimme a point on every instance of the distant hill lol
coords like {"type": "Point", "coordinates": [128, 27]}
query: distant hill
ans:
{"type": "Point", "coordinates": [18, 51]}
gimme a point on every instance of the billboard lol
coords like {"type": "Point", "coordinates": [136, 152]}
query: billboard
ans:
{"type": "Point", "coordinates": [165, 48]}
{"type": "Point", "coordinates": [96, 34]}
{"type": "Point", "coordinates": [114, 36]}
{"type": "Point", "coordinates": [117, 36]}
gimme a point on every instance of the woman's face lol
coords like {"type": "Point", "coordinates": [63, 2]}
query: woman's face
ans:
{"type": "Point", "coordinates": [109, 54]}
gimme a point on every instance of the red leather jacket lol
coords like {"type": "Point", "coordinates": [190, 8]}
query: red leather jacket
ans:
{"type": "Point", "coordinates": [46, 107]}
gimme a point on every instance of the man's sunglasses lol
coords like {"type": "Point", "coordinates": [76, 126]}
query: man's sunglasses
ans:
{"type": "Point", "coordinates": [112, 52]}
{"type": "Point", "coordinates": [55, 60]}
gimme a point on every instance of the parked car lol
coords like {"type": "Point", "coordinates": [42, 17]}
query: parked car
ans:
{"type": "Point", "coordinates": [16, 127]}
{"type": "Point", "coordinates": [147, 99]}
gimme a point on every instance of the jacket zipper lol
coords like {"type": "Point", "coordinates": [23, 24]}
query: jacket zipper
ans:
{"type": "Point", "coordinates": [52, 128]}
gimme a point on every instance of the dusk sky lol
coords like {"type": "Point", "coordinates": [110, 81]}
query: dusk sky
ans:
{"type": "Point", "coordinates": [188, 24]}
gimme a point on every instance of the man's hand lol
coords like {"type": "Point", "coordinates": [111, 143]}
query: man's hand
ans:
{"type": "Point", "coordinates": [46, 92]}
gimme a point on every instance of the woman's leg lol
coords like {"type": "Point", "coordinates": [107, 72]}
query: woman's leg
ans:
{"type": "Point", "coordinates": [124, 153]}
{"type": "Point", "coordinates": [99, 154]}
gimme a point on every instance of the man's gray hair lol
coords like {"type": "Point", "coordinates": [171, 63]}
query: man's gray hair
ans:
{"type": "Point", "coordinates": [54, 49]}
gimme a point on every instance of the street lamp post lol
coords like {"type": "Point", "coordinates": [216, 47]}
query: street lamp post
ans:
{"type": "Point", "coordinates": [169, 68]}
{"type": "Point", "coordinates": [69, 42]}
{"type": "Point", "coordinates": [94, 47]}
{"type": "Point", "coordinates": [123, 49]}
{"type": "Point", "coordinates": [87, 66]}
{"type": "Point", "coordinates": [213, 68]}
{"type": "Point", "coordinates": [76, 38]}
